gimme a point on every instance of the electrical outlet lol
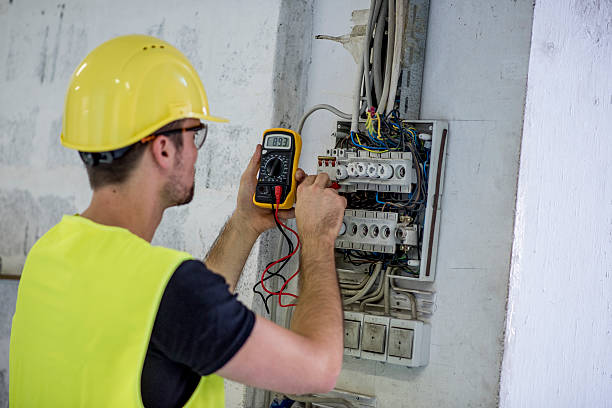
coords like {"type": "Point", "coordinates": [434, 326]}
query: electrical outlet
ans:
{"type": "Point", "coordinates": [400, 342]}
{"type": "Point", "coordinates": [374, 336]}
{"type": "Point", "coordinates": [351, 334]}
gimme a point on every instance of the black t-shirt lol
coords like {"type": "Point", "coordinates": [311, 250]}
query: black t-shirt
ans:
{"type": "Point", "coordinates": [199, 327]}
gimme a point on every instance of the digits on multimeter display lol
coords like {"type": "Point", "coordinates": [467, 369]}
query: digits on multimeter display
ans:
{"type": "Point", "coordinates": [277, 142]}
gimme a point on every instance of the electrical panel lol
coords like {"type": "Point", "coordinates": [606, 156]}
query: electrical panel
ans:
{"type": "Point", "coordinates": [386, 249]}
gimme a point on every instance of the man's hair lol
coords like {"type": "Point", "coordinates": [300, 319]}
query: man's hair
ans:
{"type": "Point", "coordinates": [117, 172]}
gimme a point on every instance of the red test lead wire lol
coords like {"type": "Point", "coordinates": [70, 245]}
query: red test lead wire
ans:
{"type": "Point", "coordinates": [278, 190]}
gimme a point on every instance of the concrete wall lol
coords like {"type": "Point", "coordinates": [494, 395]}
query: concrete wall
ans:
{"type": "Point", "coordinates": [233, 49]}
{"type": "Point", "coordinates": [475, 77]}
{"type": "Point", "coordinates": [559, 326]}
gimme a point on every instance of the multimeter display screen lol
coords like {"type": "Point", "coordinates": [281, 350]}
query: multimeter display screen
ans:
{"type": "Point", "coordinates": [277, 142]}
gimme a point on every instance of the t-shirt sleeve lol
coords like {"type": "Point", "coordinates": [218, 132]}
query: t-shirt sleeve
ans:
{"type": "Point", "coordinates": [199, 322]}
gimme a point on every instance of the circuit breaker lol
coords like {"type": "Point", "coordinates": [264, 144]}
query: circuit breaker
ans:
{"type": "Point", "coordinates": [387, 246]}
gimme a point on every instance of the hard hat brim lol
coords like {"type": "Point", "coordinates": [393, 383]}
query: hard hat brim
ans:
{"type": "Point", "coordinates": [214, 119]}
{"type": "Point", "coordinates": [140, 135]}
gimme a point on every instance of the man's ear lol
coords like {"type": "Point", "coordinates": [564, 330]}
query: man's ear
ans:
{"type": "Point", "coordinates": [163, 151]}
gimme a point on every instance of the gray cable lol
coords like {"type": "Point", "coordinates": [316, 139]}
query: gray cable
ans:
{"type": "Point", "coordinates": [354, 285]}
{"type": "Point", "coordinates": [379, 291]}
{"type": "Point", "coordinates": [389, 61]}
{"type": "Point", "coordinates": [323, 400]}
{"type": "Point", "coordinates": [366, 288]}
{"type": "Point", "coordinates": [387, 298]}
{"type": "Point", "coordinates": [413, 303]}
{"type": "Point", "coordinates": [322, 106]}
{"type": "Point", "coordinates": [357, 96]}
{"type": "Point", "coordinates": [379, 34]}
{"type": "Point", "coordinates": [397, 53]}
{"type": "Point", "coordinates": [374, 9]}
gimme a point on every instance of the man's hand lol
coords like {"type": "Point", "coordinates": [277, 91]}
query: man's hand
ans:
{"type": "Point", "coordinates": [314, 343]}
{"type": "Point", "coordinates": [319, 209]}
{"type": "Point", "coordinates": [248, 214]}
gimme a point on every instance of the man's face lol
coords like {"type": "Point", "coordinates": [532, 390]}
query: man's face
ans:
{"type": "Point", "coordinates": [180, 187]}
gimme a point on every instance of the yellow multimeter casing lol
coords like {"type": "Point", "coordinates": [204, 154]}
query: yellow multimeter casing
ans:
{"type": "Point", "coordinates": [279, 162]}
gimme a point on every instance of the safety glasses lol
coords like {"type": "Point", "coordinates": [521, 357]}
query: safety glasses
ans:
{"type": "Point", "coordinates": [199, 134]}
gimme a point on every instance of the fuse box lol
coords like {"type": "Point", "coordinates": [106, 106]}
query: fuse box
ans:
{"type": "Point", "coordinates": [387, 246]}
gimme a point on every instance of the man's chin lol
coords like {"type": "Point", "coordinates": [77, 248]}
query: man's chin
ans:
{"type": "Point", "coordinates": [187, 198]}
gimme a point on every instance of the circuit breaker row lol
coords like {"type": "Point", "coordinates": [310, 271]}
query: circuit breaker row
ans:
{"type": "Point", "coordinates": [375, 231]}
{"type": "Point", "coordinates": [380, 338]}
{"type": "Point", "coordinates": [366, 171]}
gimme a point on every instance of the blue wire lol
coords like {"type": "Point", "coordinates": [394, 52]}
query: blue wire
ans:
{"type": "Point", "coordinates": [376, 140]}
{"type": "Point", "coordinates": [365, 147]}
{"type": "Point", "coordinates": [377, 200]}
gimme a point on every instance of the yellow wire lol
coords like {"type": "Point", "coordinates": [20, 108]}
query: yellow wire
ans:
{"type": "Point", "coordinates": [365, 148]}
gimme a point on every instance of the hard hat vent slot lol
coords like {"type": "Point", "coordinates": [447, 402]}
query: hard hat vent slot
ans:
{"type": "Point", "coordinates": [152, 46]}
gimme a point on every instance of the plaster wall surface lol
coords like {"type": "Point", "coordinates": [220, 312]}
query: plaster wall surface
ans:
{"type": "Point", "coordinates": [475, 77]}
{"type": "Point", "coordinates": [232, 45]}
{"type": "Point", "coordinates": [559, 324]}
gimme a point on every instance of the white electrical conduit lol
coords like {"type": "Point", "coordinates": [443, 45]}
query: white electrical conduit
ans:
{"type": "Point", "coordinates": [411, 297]}
{"type": "Point", "coordinates": [366, 288]}
{"type": "Point", "coordinates": [389, 61]}
{"type": "Point", "coordinates": [346, 285]}
{"type": "Point", "coordinates": [357, 96]}
{"type": "Point", "coordinates": [387, 298]}
{"type": "Point", "coordinates": [379, 291]}
{"type": "Point", "coordinates": [352, 291]}
{"type": "Point", "coordinates": [397, 53]}
{"type": "Point", "coordinates": [365, 73]}
{"type": "Point", "coordinates": [322, 106]}
{"type": "Point", "coordinates": [379, 34]}
{"type": "Point", "coordinates": [322, 400]}
{"type": "Point", "coordinates": [349, 291]}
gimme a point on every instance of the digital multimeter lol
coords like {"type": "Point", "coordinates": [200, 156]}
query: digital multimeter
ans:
{"type": "Point", "coordinates": [279, 161]}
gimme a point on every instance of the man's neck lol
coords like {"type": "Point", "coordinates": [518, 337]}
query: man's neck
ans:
{"type": "Point", "coordinates": [138, 211]}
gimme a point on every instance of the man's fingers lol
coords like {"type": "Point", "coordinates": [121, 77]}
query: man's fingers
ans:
{"type": "Point", "coordinates": [308, 180]}
{"type": "Point", "coordinates": [286, 214]}
{"type": "Point", "coordinates": [300, 175]}
{"type": "Point", "coordinates": [253, 166]}
{"type": "Point", "coordinates": [322, 180]}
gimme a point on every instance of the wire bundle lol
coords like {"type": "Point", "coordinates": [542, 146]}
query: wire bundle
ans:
{"type": "Point", "coordinates": [358, 258]}
{"type": "Point", "coordinates": [378, 73]}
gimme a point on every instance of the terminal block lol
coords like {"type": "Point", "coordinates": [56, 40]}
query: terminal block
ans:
{"type": "Point", "coordinates": [376, 231]}
{"type": "Point", "coordinates": [372, 231]}
{"type": "Point", "coordinates": [362, 170]}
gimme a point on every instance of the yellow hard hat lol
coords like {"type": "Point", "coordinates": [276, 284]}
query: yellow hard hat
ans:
{"type": "Point", "coordinates": [126, 89]}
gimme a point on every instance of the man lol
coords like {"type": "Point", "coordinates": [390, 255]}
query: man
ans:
{"type": "Point", "coordinates": [103, 318]}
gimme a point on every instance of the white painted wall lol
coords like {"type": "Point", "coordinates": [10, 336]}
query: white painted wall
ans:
{"type": "Point", "coordinates": [232, 44]}
{"type": "Point", "coordinates": [475, 77]}
{"type": "Point", "coordinates": [558, 346]}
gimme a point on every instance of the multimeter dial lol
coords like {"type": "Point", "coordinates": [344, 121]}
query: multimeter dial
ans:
{"type": "Point", "coordinates": [276, 167]}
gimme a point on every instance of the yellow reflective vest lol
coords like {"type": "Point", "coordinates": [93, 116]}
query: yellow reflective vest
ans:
{"type": "Point", "coordinates": [87, 301]}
